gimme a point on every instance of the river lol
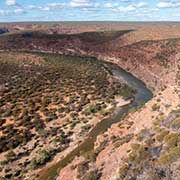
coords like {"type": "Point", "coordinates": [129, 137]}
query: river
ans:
{"type": "Point", "coordinates": [143, 94]}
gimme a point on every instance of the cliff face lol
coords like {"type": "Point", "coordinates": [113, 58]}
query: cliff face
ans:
{"type": "Point", "coordinates": [134, 147]}
{"type": "Point", "coordinates": [3, 30]}
{"type": "Point", "coordinates": [150, 60]}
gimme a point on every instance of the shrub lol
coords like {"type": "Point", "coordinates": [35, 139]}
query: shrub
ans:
{"type": "Point", "coordinates": [7, 113]}
{"type": "Point", "coordinates": [171, 140]}
{"type": "Point", "coordinates": [86, 128]}
{"type": "Point", "coordinates": [92, 175]}
{"type": "Point", "coordinates": [45, 156]}
{"type": "Point", "coordinates": [170, 156]}
{"type": "Point", "coordinates": [161, 135]}
{"type": "Point", "coordinates": [2, 121]}
{"type": "Point", "coordinates": [155, 107]}
{"type": "Point", "coordinates": [176, 124]}
{"type": "Point", "coordinates": [27, 118]}
{"type": "Point", "coordinates": [82, 168]}
{"type": "Point", "coordinates": [144, 134]}
{"type": "Point", "coordinates": [158, 121]}
{"type": "Point", "coordinates": [123, 170]}
{"type": "Point", "coordinates": [154, 175]}
{"type": "Point", "coordinates": [48, 119]}
{"type": "Point", "coordinates": [4, 162]}
{"type": "Point", "coordinates": [121, 141]}
{"type": "Point", "coordinates": [135, 146]}
{"type": "Point", "coordinates": [10, 155]}
{"type": "Point", "coordinates": [136, 156]}
{"type": "Point", "coordinates": [33, 164]}
{"type": "Point", "coordinates": [126, 91]}
{"type": "Point", "coordinates": [92, 109]}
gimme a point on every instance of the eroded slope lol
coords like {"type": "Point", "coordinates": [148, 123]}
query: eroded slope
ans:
{"type": "Point", "coordinates": [145, 145]}
{"type": "Point", "coordinates": [48, 104]}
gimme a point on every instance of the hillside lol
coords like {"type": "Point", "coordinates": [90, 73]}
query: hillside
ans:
{"type": "Point", "coordinates": [121, 47]}
{"type": "Point", "coordinates": [50, 102]}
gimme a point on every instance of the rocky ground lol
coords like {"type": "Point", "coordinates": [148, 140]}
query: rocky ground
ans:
{"type": "Point", "coordinates": [145, 144]}
{"type": "Point", "coordinates": [48, 104]}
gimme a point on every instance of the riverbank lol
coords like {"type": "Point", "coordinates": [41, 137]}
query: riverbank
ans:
{"type": "Point", "coordinates": [142, 95]}
{"type": "Point", "coordinates": [59, 97]}
{"type": "Point", "coordinates": [154, 62]}
{"type": "Point", "coordinates": [122, 139]}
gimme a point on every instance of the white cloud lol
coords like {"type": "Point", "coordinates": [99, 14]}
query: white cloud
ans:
{"type": "Point", "coordinates": [141, 4]}
{"type": "Point", "coordinates": [116, 7]}
{"type": "Point", "coordinates": [41, 8]}
{"type": "Point", "coordinates": [10, 2]}
{"type": "Point", "coordinates": [125, 0]}
{"type": "Point", "coordinates": [164, 5]}
{"type": "Point", "coordinates": [56, 5]}
{"type": "Point", "coordinates": [169, 4]}
{"type": "Point", "coordinates": [80, 3]}
{"type": "Point", "coordinates": [47, 7]}
{"type": "Point", "coordinates": [111, 5]}
{"type": "Point", "coordinates": [129, 8]}
{"type": "Point", "coordinates": [19, 11]}
{"type": "Point", "coordinates": [31, 7]}
{"type": "Point", "coordinates": [126, 9]}
{"type": "Point", "coordinates": [176, 14]}
{"type": "Point", "coordinates": [4, 12]}
{"type": "Point", "coordinates": [11, 12]}
{"type": "Point", "coordinates": [83, 4]}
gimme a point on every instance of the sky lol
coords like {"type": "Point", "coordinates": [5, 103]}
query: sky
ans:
{"type": "Point", "coordinates": [89, 10]}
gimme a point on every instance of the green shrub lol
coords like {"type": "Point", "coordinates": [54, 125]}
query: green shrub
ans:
{"type": "Point", "coordinates": [176, 124]}
{"type": "Point", "coordinates": [155, 107]}
{"type": "Point", "coordinates": [123, 171]}
{"type": "Point", "coordinates": [33, 164]}
{"type": "Point", "coordinates": [4, 162]}
{"type": "Point", "coordinates": [91, 175]}
{"type": "Point", "coordinates": [44, 157]}
{"type": "Point", "coordinates": [158, 120]}
{"type": "Point", "coordinates": [82, 168]}
{"type": "Point", "coordinates": [2, 121]}
{"type": "Point", "coordinates": [143, 134]}
{"type": "Point", "coordinates": [92, 109]}
{"type": "Point", "coordinates": [10, 155]}
{"type": "Point", "coordinates": [171, 140]}
{"type": "Point", "coordinates": [170, 156]}
{"type": "Point", "coordinates": [27, 118]}
{"type": "Point", "coordinates": [121, 141]}
{"type": "Point", "coordinates": [160, 136]}
{"type": "Point", "coordinates": [135, 146]}
{"type": "Point", "coordinates": [139, 155]}
{"type": "Point", "coordinates": [153, 175]}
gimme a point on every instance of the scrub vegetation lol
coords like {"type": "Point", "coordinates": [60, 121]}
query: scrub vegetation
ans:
{"type": "Point", "coordinates": [46, 102]}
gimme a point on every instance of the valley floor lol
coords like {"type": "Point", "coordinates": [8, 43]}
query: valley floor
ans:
{"type": "Point", "coordinates": [145, 145]}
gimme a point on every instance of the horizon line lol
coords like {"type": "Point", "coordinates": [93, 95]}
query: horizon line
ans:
{"type": "Point", "coordinates": [79, 21]}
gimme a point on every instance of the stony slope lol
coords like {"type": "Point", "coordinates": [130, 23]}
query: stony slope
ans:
{"type": "Point", "coordinates": [126, 48]}
{"type": "Point", "coordinates": [135, 147]}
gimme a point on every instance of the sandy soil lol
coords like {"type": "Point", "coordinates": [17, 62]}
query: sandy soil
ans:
{"type": "Point", "coordinates": [110, 158]}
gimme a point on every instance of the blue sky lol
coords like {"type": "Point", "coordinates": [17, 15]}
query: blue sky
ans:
{"type": "Point", "coordinates": [89, 10]}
